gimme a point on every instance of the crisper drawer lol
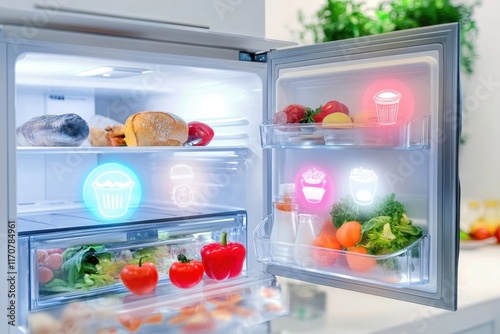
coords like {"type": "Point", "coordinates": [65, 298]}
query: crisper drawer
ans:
{"type": "Point", "coordinates": [86, 263]}
{"type": "Point", "coordinates": [236, 305]}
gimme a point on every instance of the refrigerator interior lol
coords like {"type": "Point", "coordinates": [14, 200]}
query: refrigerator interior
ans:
{"type": "Point", "coordinates": [183, 197]}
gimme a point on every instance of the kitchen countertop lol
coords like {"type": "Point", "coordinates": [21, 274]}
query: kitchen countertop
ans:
{"type": "Point", "coordinates": [351, 312]}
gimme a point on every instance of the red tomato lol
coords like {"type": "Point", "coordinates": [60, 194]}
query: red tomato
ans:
{"type": "Point", "coordinates": [186, 273]}
{"type": "Point", "coordinates": [357, 262]}
{"type": "Point", "coordinates": [481, 233]}
{"type": "Point", "coordinates": [349, 234]}
{"type": "Point", "coordinates": [140, 279]}
{"type": "Point", "coordinates": [327, 256]}
{"type": "Point", "coordinates": [293, 113]}
{"type": "Point", "coordinates": [328, 228]}
{"type": "Point", "coordinates": [328, 108]}
{"type": "Point", "coordinates": [199, 134]}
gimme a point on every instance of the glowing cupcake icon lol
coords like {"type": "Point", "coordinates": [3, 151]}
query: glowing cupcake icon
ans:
{"type": "Point", "coordinates": [313, 185]}
{"type": "Point", "coordinates": [113, 191]}
{"type": "Point", "coordinates": [387, 102]}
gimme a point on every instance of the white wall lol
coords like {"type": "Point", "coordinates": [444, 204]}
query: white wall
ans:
{"type": "Point", "coordinates": [480, 156]}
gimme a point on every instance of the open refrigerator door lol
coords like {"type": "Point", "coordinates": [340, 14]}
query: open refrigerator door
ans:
{"type": "Point", "coordinates": [363, 138]}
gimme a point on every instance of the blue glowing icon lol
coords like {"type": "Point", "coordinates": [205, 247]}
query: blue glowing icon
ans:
{"type": "Point", "coordinates": [112, 192]}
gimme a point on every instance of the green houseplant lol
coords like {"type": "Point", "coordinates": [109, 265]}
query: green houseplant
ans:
{"type": "Point", "coordinates": [341, 19]}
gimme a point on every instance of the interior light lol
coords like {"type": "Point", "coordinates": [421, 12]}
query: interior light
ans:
{"type": "Point", "coordinates": [113, 72]}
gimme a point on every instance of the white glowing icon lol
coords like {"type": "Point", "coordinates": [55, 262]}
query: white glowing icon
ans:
{"type": "Point", "coordinates": [313, 183]}
{"type": "Point", "coordinates": [113, 191]}
{"type": "Point", "coordinates": [363, 184]}
{"type": "Point", "coordinates": [182, 194]}
{"type": "Point", "coordinates": [387, 102]}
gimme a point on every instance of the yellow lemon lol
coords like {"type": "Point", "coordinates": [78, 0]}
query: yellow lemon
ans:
{"type": "Point", "coordinates": [339, 119]}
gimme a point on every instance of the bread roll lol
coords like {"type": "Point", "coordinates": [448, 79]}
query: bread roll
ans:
{"type": "Point", "coordinates": [155, 128]}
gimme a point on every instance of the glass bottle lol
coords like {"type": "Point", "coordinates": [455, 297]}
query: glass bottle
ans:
{"type": "Point", "coordinates": [306, 233]}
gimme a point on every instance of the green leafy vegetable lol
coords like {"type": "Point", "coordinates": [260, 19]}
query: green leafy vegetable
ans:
{"type": "Point", "coordinates": [85, 260]}
{"type": "Point", "coordinates": [385, 226]}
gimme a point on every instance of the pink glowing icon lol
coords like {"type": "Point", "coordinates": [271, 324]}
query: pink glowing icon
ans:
{"type": "Point", "coordinates": [314, 189]}
{"type": "Point", "coordinates": [387, 103]}
{"type": "Point", "coordinates": [313, 185]}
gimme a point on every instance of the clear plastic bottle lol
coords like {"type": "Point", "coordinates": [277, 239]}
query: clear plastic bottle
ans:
{"type": "Point", "coordinates": [285, 222]}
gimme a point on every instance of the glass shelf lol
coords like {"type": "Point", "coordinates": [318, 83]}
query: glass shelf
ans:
{"type": "Point", "coordinates": [126, 149]}
{"type": "Point", "coordinates": [408, 135]}
{"type": "Point", "coordinates": [406, 267]}
{"type": "Point", "coordinates": [212, 306]}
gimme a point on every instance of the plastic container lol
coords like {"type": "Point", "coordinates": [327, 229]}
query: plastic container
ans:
{"type": "Point", "coordinates": [309, 227]}
{"type": "Point", "coordinates": [285, 223]}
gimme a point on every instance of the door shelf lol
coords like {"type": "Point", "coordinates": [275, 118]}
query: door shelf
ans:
{"type": "Point", "coordinates": [414, 134]}
{"type": "Point", "coordinates": [406, 267]}
{"type": "Point", "coordinates": [252, 298]}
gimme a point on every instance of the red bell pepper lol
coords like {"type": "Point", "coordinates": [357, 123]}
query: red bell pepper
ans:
{"type": "Point", "coordinates": [223, 260]}
{"type": "Point", "coordinates": [199, 134]}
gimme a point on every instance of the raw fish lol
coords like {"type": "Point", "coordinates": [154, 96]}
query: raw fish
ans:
{"type": "Point", "coordinates": [53, 130]}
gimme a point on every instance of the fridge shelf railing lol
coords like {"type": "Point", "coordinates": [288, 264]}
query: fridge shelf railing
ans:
{"type": "Point", "coordinates": [212, 306]}
{"type": "Point", "coordinates": [126, 149]}
{"type": "Point", "coordinates": [408, 266]}
{"type": "Point", "coordinates": [414, 134]}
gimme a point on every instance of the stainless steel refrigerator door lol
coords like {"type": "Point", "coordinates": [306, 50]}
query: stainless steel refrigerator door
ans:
{"type": "Point", "coordinates": [441, 44]}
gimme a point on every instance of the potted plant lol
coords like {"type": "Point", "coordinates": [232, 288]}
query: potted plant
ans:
{"type": "Point", "coordinates": [341, 19]}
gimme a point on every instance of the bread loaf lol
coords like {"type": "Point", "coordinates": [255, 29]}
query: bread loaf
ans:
{"type": "Point", "coordinates": [155, 128]}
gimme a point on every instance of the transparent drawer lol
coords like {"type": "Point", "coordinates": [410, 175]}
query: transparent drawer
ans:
{"type": "Point", "coordinates": [68, 266]}
{"type": "Point", "coordinates": [212, 306]}
{"type": "Point", "coordinates": [408, 135]}
{"type": "Point", "coordinates": [89, 269]}
{"type": "Point", "coordinates": [409, 266]}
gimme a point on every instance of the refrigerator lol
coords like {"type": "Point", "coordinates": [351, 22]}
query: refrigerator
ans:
{"type": "Point", "coordinates": [75, 215]}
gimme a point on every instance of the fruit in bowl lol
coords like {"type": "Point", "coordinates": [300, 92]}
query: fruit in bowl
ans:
{"type": "Point", "coordinates": [481, 230]}
{"type": "Point", "coordinates": [497, 234]}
